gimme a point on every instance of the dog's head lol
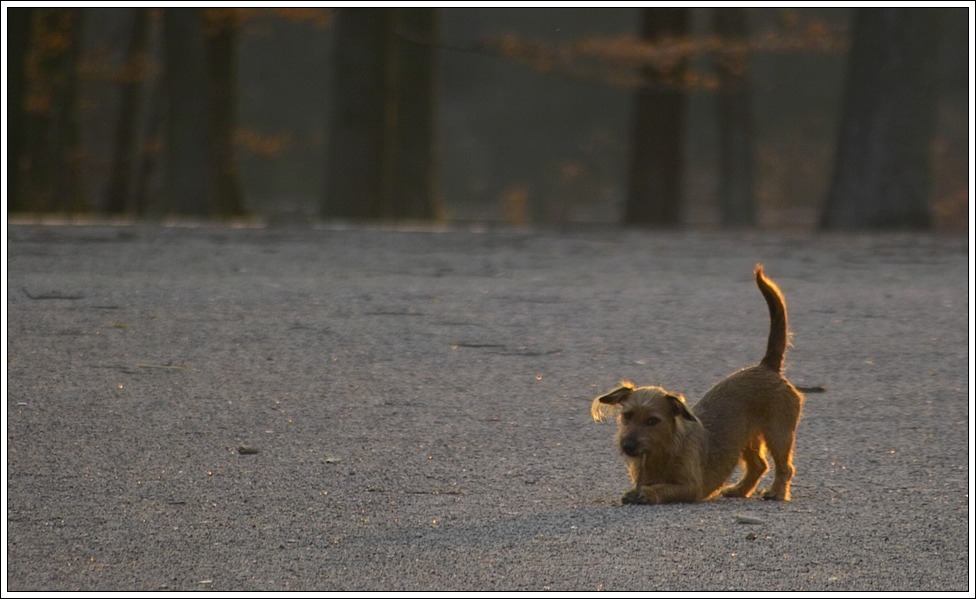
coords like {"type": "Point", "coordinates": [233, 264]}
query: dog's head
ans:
{"type": "Point", "coordinates": [647, 417]}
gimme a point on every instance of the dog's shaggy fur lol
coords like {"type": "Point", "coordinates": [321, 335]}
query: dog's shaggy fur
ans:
{"type": "Point", "coordinates": [676, 453]}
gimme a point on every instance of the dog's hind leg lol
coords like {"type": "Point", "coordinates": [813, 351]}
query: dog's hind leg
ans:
{"type": "Point", "coordinates": [755, 467]}
{"type": "Point", "coordinates": [780, 446]}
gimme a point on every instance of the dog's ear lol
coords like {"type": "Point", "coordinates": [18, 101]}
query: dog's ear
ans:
{"type": "Point", "coordinates": [605, 405]}
{"type": "Point", "coordinates": [619, 394]}
{"type": "Point", "coordinates": [680, 408]}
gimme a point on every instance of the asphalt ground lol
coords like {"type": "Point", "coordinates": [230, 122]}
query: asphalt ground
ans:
{"type": "Point", "coordinates": [370, 409]}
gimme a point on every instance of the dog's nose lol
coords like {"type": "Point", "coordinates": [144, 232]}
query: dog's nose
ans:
{"type": "Point", "coordinates": [630, 447]}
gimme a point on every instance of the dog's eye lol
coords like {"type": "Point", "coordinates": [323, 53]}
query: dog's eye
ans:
{"type": "Point", "coordinates": [627, 416]}
{"type": "Point", "coordinates": [652, 420]}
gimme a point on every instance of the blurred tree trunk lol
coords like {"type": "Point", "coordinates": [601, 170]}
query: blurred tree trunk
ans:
{"type": "Point", "coordinates": [44, 63]}
{"type": "Point", "coordinates": [187, 188]}
{"type": "Point", "coordinates": [381, 150]}
{"type": "Point", "coordinates": [221, 44]}
{"type": "Point", "coordinates": [148, 153]}
{"type": "Point", "coordinates": [358, 166]}
{"type": "Point", "coordinates": [656, 154]}
{"type": "Point", "coordinates": [881, 176]}
{"type": "Point", "coordinates": [415, 193]}
{"type": "Point", "coordinates": [734, 104]}
{"type": "Point", "coordinates": [19, 26]}
{"type": "Point", "coordinates": [130, 96]}
{"type": "Point", "coordinates": [68, 189]}
{"type": "Point", "coordinates": [52, 140]}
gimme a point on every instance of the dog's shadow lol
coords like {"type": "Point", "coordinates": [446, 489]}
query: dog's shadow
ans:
{"type": "Point", "coordinates": [598, 518]}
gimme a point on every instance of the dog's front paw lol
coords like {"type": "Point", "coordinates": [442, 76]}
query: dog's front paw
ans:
{"type": "Point", "coordinates": [633, 497]}
{"type": "Point", "coordinates": [734, 491]}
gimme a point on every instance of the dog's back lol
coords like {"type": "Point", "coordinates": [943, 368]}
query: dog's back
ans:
{"type": "Point", "coordinates": [765, 401]}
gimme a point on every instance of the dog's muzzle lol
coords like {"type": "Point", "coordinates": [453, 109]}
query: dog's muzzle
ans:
{"type": "Point", "coordinates": [630, 447]}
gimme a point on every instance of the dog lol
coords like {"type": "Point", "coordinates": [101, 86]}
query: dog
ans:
{"type": "Point", "coordinates": [679, 454]}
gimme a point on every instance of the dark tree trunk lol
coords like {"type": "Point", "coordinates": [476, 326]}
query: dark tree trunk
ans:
{"type": "Point", "coordinates": [149, 153]}
{"type": "Point", "coordinates": [127, 124]}
{"type": "Point", "coordinates": [19, 26]}
{"type": "Point", "coordinates": [37, 183]}
{"type": "Point", "coordinates": [222, 31]}
{"type": "Point", "coordinates": [222, 27]}
{"type": "Point", "coordinates": [67, 194]}
{"type": "Point", "coordinates": [187, 188]}
{"type": "Point", "coordinates": [68, 191]}
{"type": "Point", "coordinates": [656, 155]}
{"type": "Point", "coordinates": [382, 149]}
{"type": "Point", "coordinates": [52, 140]}
{"type": "Point", "coordinates": [415, 194]}
{"type": "Point", "coordinates": [882, 170]}
{"type": "Point", "coordinates": [359, 153]}
{"type": "Point", "coordinates": [734, 105]}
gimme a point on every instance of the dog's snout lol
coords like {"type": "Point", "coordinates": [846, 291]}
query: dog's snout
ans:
{"type": "Point", "coordinates": [630, 446]}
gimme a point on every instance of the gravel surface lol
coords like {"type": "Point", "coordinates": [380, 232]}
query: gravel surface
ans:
{"type": "Point", "coordinates": [363, 409]}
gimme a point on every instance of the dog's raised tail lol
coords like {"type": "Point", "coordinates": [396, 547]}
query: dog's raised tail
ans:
{"type": "Point", "coordinates": [778, 329]}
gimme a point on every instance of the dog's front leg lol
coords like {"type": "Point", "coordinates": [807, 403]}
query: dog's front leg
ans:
{"type": "Point", "coordinates": [662, 493]}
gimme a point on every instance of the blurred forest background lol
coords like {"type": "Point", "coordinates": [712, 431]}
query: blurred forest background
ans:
{"type": "Point", "coordinates": [834, 118]}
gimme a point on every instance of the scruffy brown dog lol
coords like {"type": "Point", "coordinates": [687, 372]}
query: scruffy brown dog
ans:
{"type": "Point", "coordinates": [678, 454]}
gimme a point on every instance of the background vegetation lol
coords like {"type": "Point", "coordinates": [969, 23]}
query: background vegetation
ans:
{"type": "Point", "coordinates": [833, 118]}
